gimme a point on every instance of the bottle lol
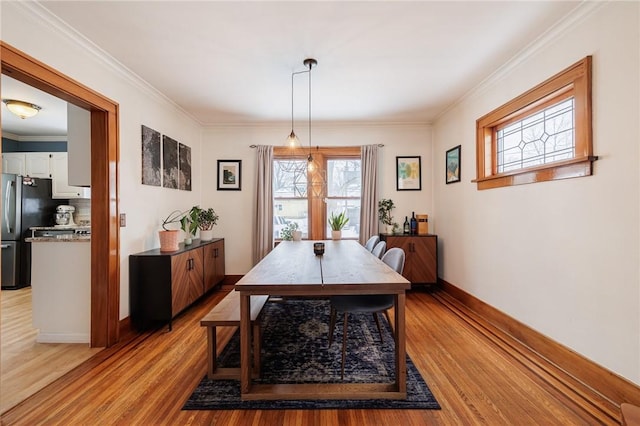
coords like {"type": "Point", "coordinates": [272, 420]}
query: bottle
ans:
{"type": "Point", "coordinates": [406, 225]}
{"type": "Point", "coordinates": [414, 223]}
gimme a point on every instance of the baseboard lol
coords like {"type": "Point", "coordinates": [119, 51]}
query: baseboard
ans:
{"type": "Point", "coordinates": [604, 388]}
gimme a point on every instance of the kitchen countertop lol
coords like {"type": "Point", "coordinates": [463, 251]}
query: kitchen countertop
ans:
{"type": "Point", "coordinates": [68, 234]}
{"type": "Point", "coordinates": [60, 239]}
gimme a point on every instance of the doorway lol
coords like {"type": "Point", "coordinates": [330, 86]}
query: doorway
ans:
{"type": "Point", "coordinates": [105, 250]}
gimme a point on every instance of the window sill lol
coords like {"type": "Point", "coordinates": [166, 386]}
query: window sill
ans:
{"type": "Point", "coordinates": [577, 167]}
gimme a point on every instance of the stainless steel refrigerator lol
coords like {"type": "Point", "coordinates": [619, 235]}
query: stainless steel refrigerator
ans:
{"type": "Point", "coordinates": [26, 202]}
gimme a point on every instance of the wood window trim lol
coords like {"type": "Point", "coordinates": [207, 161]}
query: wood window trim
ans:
{"type": "Point", "coordinates": [316, 207]}
{"type": "Point", "coordinates": [574, 81]}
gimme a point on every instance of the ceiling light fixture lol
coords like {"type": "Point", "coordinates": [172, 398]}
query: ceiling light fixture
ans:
{"type": "Point", "coordinates": [22, 109]}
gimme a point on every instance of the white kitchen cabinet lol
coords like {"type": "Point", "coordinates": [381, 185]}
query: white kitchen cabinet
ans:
{"type": "Point", "coordinates": [33, 164]}
{"type": "Point", "coordinates": [14, 162]}
{"type": "Point", "coordinates": [60, 175]}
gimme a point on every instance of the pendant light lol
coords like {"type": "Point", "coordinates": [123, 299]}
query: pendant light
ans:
{"type": "Point", "coordinates": [292, 141]}
{"type": "Point", "coordinates": [316, 176]}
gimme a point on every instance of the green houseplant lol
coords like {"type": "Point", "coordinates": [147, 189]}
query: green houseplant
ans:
{"type": "Point", "coordinates": [337, 222]}
{"type": "Point", "coordinates": [190, 222]}
{"type": "Point", "coordinates": [289, 231]}
{"type": "Point", "coordinates": [169, 238]}
{"type": "Point", "coordinates": [207, 219]}
{"type": "Point", "coordinates": [385, 206]}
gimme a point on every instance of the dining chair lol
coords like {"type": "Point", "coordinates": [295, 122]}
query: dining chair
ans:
{"type": "Point", "coordinates": [369, 303]}
{"type": "Point", "coordinates": [371, 242]}
{"type": "Point", "coordinates": [379, 249]}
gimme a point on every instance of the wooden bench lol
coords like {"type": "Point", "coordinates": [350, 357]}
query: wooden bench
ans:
{"type": "Point", "coordinates": [227, 313]}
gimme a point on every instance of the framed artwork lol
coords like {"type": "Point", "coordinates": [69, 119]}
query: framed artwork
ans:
{"type": "Point", "coordinates": [170, 169]}
{"type": "Point", "coordinates": [453, 165]}
{"type": "Point", "coordinates": [151, 170]}
{"type": "Point", "coordinates": [408, 174]}
{"type": "Point", "coordinates": [184, 167]}
{"type": "Point", "coordinates": [229, 175]}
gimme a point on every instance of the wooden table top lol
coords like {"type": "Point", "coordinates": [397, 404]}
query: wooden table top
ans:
{"type": "Point", "coordinates": [345, 268]}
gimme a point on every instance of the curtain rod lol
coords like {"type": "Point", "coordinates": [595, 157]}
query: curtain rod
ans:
{"type": "Point", "coordinates": [380, 145]}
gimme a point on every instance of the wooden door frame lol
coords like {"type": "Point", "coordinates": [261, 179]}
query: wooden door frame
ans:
{"type": "Point", "coordinates": [105, 234]}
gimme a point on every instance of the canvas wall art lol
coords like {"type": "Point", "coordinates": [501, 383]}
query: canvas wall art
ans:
{"type": "Point", "coordinates": [151, 157]}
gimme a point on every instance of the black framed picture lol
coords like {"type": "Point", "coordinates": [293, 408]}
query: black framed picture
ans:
{"type": "Point", "coordinates": [453, 165]}
{"type": "Point", "coordinates": [229, 175]}
{"type": "Point", "coordinates": [408, 174]}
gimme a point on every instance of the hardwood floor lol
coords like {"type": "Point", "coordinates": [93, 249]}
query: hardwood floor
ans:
{"type": "Point", "coordinates": [27, 366]}
{"type": "Point", "coordinates": [477, 376]}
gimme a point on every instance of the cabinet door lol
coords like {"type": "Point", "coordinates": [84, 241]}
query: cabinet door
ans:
{"type": "Point", "coordinates": [14, 163]}
{"type": "Point", "coordinates": [213, 264]}
{"type": "Point", "coordinates": [60, 177]}
{"type": "Point", "coordinates": [424, 260]}
{"type": "Point", "coordinates": [37, 164]}
{"type": "Point", "coordinates": [186, 279]}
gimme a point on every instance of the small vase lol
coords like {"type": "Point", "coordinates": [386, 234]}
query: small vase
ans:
{"type": "Point", "coordinates": [206, 234]}
{"type": "Point", "coordinates": [297, 235]}
{"type": "Point", "coordinates": [336, 235]}
{"type": "Point", "coordinates": [188, 240]}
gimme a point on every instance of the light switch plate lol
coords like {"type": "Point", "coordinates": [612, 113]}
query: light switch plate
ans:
{"type": "Point", "coordinates": [123, 220]}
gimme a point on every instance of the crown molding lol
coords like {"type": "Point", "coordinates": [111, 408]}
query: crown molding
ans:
{"type": "Point", "coordinates": [568, 22]}
{"type": "Point", "coordinates": [49, 19]}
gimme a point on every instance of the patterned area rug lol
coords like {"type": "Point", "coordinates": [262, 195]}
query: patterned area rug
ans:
{"type": "Point", "coordinates": [295, 350]}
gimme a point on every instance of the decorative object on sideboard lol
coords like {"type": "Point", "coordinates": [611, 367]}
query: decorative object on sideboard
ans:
{"type": "Point", "coordinates": [207, 219]}
{"type": "Point", "coordinates": [408, 173]}
{"type": "Point", "coordinates": [170, 238]}
{"type": "Point", "coordinates": [385, 206]}
{"type": "Point", "coordinates": [337, 222]}
{"type": "Point", "coordinates": [423, 224]}
{"type": "Point", "coordinates": [453, 164]}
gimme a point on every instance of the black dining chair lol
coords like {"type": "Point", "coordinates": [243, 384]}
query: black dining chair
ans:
{"type": "Point", "coordinates": [379, 249]}
{"type": "Point", "coordinates": [371, 242]}
{"type": "Point", "coordinates": [368, 303]}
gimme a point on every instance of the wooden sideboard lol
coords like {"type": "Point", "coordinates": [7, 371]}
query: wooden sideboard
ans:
{"type": "Point", "coordinates": [163, 284]}
{"type": "Point", "coordinates": [421, 256]}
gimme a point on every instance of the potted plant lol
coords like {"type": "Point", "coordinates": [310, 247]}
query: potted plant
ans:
{"type": "Point", "coordinates": [384, 213]}
{"type": "Point", "coordinates": [207, 218]}
{"type": "Point", "coordinates": [169, 238]}
{"type": "Point", "coordinates": [291, 232]}
{"type": "Point", "coordinates": [337, 222]}
{"type": "Point", "coordinates": [190, 222]}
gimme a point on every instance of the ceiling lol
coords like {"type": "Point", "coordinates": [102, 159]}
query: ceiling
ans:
{"type": "Point", "coordinates": [378, 61]}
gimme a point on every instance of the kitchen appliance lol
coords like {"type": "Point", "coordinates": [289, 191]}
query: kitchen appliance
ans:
{"type": "Point", "coordinates": [26, 202]}
{"type": "Point", "coordinates": [64, 215]}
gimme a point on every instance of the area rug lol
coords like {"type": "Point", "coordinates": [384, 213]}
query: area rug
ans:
{"type": "Point", "coordinates": [295, 350]}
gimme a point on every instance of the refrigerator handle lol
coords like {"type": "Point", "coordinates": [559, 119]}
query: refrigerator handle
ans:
{"type": "Point", "coordinates": [7, 194]}
{"type": "Point", "coordinates": [4, 246]}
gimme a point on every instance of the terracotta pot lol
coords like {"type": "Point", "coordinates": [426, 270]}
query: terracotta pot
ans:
{"type": "Point", "coordinates": [169, 240]}
{"type": "Point", "coordinates": [336, 235]}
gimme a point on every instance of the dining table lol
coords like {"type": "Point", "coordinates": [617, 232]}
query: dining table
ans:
{"type": "Point", "coordinates": [345, 268]}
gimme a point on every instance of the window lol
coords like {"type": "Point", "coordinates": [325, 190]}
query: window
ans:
{"type": "Point", "coordinates": [544, 134]}
{"type": "Point", "coordinates": [293, 203]}
{"type": "Point", "coordinates": [290, 203]}
{"type": "Point", "coordinates": [344, 183]}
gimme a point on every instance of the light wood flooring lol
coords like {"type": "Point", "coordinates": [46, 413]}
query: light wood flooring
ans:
{"type": "Point", "coordinates": [27, 366]}
{"type": "Point", "coordinates": [477, 378]}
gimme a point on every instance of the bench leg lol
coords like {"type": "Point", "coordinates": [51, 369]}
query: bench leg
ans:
{"type": "Point", "coordinates": [256, 348]}
{"type": "Point", "coordinates": [211, 351]}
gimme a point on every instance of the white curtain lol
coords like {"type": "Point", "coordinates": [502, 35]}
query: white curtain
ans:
{"type": "Point", "coordinates": [369, 202]}
{"type": "Point", "coordinates": [263, 220]}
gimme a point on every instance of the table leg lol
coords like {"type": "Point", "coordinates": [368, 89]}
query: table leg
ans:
{"type": "Point", "coordinates": [211, 350]}
{"type": "Point", "coordinates": [401, 348]}
{"type": "Point", "coordinates": [245, 343]}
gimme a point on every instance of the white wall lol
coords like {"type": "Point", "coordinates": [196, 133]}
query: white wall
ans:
{"type": "Point", "coordinates": [236, 207]}
{"type": "Point", "coordinates": [562, 256]}
{"type": "Point", "coordinates": [145, 206]}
